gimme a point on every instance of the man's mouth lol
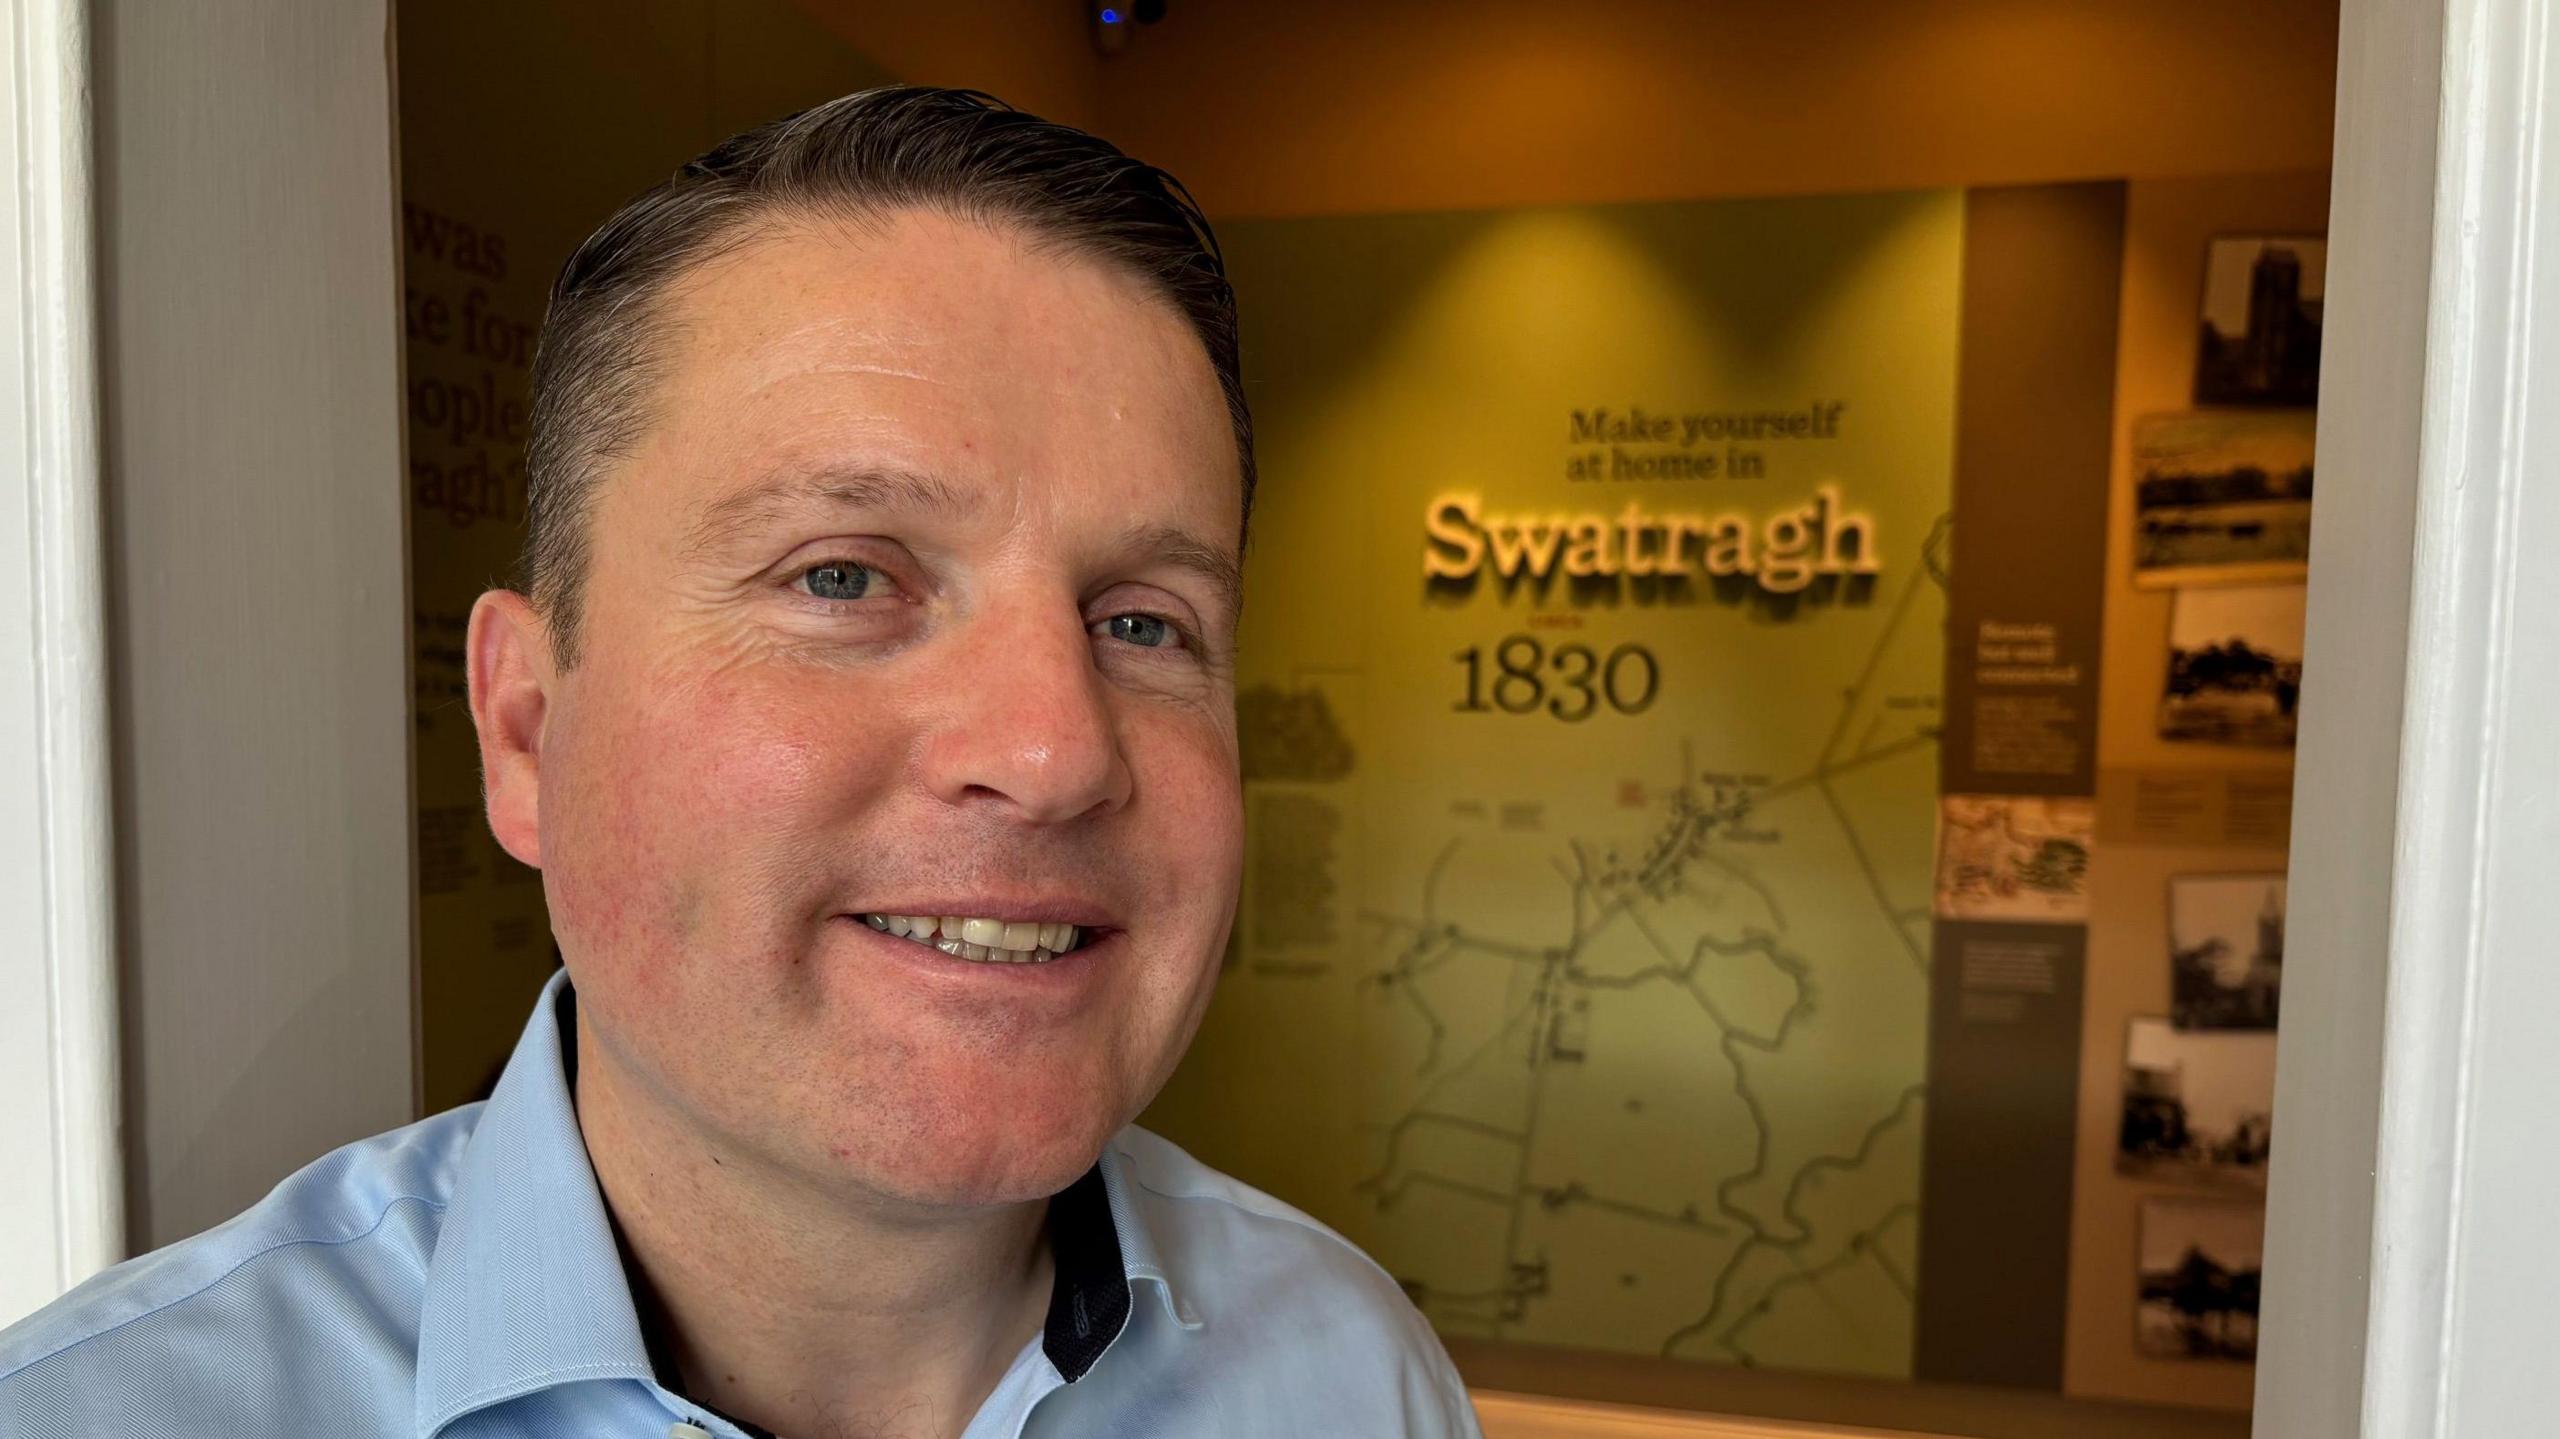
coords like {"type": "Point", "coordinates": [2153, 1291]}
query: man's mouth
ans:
{"type": "Point", "coordinates": [983, 941]}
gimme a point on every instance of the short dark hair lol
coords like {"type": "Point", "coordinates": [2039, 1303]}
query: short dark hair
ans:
{"type": "Point", "coordinates": [859, 157]}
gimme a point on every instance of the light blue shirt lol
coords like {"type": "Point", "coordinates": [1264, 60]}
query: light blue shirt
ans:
{"type": "Point", "coordinates": [459, 1278]}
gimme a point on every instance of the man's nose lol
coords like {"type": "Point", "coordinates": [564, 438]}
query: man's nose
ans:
{"type": "Point", "coordinates": [1028, 721]}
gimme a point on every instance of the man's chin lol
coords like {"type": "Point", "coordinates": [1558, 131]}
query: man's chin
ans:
{"type": "Point", "coordinates": [989, 1169]}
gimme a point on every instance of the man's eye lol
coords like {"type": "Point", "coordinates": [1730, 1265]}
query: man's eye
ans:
{"type": "Point", "coordinates": [1144, 631]}
{"type": "Point", "coordinates": [844, 580]}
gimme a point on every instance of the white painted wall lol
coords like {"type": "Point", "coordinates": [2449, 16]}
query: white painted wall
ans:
{"type": "Point", "coordinates": [2346, 796]}
{"type": "Point", "coordinates": [2413, 1270]}
{"type": "Point", "coordinates": [251, 354]}
{"type": "Point", "coordinates": [61, 1211]}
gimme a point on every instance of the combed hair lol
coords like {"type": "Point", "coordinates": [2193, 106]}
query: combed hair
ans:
{"type": "Point", "coordinates": [859, 158]}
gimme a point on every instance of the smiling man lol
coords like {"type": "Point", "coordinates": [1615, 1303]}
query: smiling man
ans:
{"type": "Point", "coordinates": [868, 709]}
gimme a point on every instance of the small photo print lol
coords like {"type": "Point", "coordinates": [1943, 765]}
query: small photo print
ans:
{"type": "Point", "coordinates": [2199, 1289]}
{"type": "Point", "coordinates": [2222, 498]}
{"type": "Point", "coordinates": [1290, 735]}
{"type": "Point", "coordinates": [2235, 666]}
{"type": "Point", "coordinates": [2226, 950]}
{"type": "Point", "coordinates": [2259, 342]}
{"type": "Point", "coordinates": [2199, 1105]}
{"type": "Point", "coordinates": [2021, 858]}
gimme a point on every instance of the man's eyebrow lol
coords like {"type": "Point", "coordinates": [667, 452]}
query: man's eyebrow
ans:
{"type": "Point", "coordinates": [908, 491]}
{"type": "Point", "coordinates": [1184, 550]}
{"type": "Point", "coordinates": [792, 491]}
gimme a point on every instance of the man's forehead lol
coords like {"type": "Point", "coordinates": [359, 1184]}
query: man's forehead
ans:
{"type": "Point", "coordinates": [931, 319]}
{"type": "Point", "coordinates": [922, 366]}
{"type": "Point", "coordinates": [907, 281]}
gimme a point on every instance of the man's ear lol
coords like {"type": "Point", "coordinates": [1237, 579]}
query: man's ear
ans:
{"type": "Point", "coordinates": [509, 650]}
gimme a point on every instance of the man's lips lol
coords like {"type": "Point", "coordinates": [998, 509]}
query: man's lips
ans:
{"type": "Point", "coordinates": [1045, 907]}
{"type": "Point", "coordinates": [1025, 933]}
{"type": "Point", "coordinates": [985, 940]}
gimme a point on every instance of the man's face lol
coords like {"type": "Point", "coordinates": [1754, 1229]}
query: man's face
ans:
{"type": "Point", "coordinates": [915, 601]}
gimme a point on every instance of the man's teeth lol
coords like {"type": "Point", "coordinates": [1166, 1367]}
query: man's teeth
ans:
{"type": "Point", "coordinates": [996, 941]}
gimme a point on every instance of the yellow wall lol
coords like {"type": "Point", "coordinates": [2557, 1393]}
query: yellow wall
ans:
{"type": "Point", "coordinates": [1339, 106]}
{"type": "Point", "coordinates": [1035, 54]}
{"type": "Point", "coordinates": [1300, 107]}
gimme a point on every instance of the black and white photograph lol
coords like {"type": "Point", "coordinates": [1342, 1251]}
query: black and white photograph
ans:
{"type": "Point", "coordinates": [2259, 342]}
{"type": "Point", "coordinates": [2235, 666]}
{"type": "Point", "coordinates": [2226, 950]}
{"type": "Point", "coordinates": [2199, 1105]}
{"type": "Point", "coordinates": [2222, 498]}
{"type": "Point", "coordinates": [2199, 1260]}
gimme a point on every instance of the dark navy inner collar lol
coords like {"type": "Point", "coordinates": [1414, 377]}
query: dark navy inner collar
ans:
{"type": "Point", "coordinates": [1089, 1299]}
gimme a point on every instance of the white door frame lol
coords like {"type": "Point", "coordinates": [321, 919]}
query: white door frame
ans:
{"type": "Point", "coordinates": [58, 1052]}
{"type": "Point", "coordinates": [2412, 1273]}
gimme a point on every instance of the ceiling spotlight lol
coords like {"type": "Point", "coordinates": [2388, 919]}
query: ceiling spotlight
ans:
{"type": "Point", "coordinates": [1113, 19]}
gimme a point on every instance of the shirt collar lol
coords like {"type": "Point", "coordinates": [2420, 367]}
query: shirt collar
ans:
{"type": "Point", "coordinates": [1139, 1257]}
{"type": "Point", "coordinates": [526, 1288]}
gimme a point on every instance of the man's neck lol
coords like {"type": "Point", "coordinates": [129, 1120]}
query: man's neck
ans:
{"type": "Point", "coordinates": [800, 1312]}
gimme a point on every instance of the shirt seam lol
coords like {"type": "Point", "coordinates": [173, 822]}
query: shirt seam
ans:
{"type": "Point", "coordinates": [380, 1218]}
{"type": "Point", "coordinates": [524, 1386]}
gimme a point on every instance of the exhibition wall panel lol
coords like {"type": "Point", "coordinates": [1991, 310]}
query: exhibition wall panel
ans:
{"type": "Point", "coordinates": [1495, 419]}
{"type": "Point", "coordinates": [2017, 769]}
{"type": "Point", "coordinates": [1588, 712]}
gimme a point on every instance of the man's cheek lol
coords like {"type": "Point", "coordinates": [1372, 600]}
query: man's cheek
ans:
{"type": "Point", "coordinates": [1198, 818]}
{"type": "Point", "coordinates": [740, 806]}
{"type": "Point", "coordinates": [621, 871]}
{"type": "Point", "coordinates": [727, 755]}
{"type": "Point", "coordinates": [608, 880]}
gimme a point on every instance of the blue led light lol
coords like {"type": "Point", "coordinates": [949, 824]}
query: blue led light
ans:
{"type": "Point", "coordinates": [1110, 17]}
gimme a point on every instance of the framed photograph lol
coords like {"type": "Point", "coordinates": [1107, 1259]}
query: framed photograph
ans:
{"type": "Point", "coordinates": [2259, 342]}
{"type": "Point", "coordinates": [2222, 498]}
{"type": "Point", "coordinates": [2199, 1263]}
{"type": "Point", "coordinates": [2235, 666]}
{"type": "Point", "coordinates": [2226, 950]}
{"type": "Point", "coordinates": [2199, 1105]}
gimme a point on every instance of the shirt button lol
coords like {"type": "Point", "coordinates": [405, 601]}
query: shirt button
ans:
{"type": "Point", "coordinates": [682, 1430]}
